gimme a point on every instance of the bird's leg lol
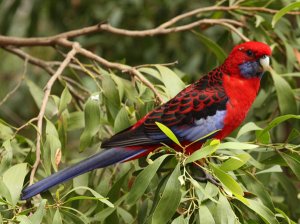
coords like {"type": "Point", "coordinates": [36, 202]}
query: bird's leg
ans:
{"type": "Point", "coordinates": [206, 176]}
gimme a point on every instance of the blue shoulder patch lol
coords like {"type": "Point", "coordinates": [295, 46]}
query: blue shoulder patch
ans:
{"type": "Point", "coordinates": [201, 127]}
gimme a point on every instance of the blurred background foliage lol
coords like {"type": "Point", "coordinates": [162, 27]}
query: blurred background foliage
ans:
{"type": "Point", "coordinates": [86, 107]}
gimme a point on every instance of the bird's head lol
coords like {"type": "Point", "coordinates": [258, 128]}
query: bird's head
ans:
{"type": "Point", "coordinates": [248, 60]}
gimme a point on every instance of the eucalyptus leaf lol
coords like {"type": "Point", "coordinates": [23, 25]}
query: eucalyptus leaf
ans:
{"type": "Point", "coordinates": [293, 162]}
{"type": "Point", "coordinates": [92, 122]}
{"type": "Point", "coordinates": [235, 162]}
{"type": "Point", "coordinates": [13, 179]}
{"type": "Point", "coordinates": [37, 217]}
{"type": "Point", "coordinates": [205, 215]}
{"type": "Point", "coordinates": [212, 46]}
{"type": "Point", "coordinates": [143, 180]}
{"type": "Point", "coordinates": [204, 151]}
{"type": "Point", "coordinates": [224, 213]}
{"type": "Point", "coordinates": [57, 219]}
{"type": "Point", "coordinates": [168, 132]}
{"type": "Point", "coordinates": [171, 81]}
{"type": "Point", "coordinates": [286, 98]}
{"type": "Point", "coordinates": [38, 94]}
{"type": "Point", "coordinates": [284, 11]}
{"type": "Point", "coordinates": [65, 99]}
{"type": "Point", "coordinates": [169, 200]}
{"type": "Point", "coordinates": [228, 181]}
{"type": "Point", "coordinates": [266, 214]}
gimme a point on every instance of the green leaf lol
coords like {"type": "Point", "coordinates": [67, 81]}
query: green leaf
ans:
{"type": "Point", "coordinates": [37, 217]}
{"type": "Point", "coordinates": [204, 151]}
{"type": "Point", "coordinates": [65, 99]}
{"type": "Point", "coordinates": [266, 214]}
{"type": "Point", "coordinates": [204, 192]}
{"type": "Point", "coordinates": [122, 120]}
{"type": "Point", "coordinates": [213, 46]}
{"type": "Point", "coordinates": [13, 179]}
{"type": "Point", "coordinates": [5, 193]}
{"type": "Point", "coordinates": [81, 180]}
{"type": "Point", "coordinates": [263, 137]}
{"type": "Point", "coordinates": [237, 145]}
{"type": "Point", "coordinates": [92, 115]}
{"type": "Point", "coordinates": [205, 215]}
{"type": "Point", "coordinates": [285, 216]}
{"type": "Point", "coordinates": [235, 162]}
{"type": "Point", "coordinates": [5, 131]}
{"type": "Point", "coordinates": [273, 169]}
{"type": "Point", "coordinates": [286, 98]}
{"type": "Point", "coordinates": [227, 181]}
{"type": "Point", "coordinates": [57, 219]}
{"type": "Point", "coordinates": [255, 186]}
{"type": "Point", "coordinates": [167, 131]}
{"type": "Point", "coordinates": [143, 180]}
{"type": "Point", "coordinates": [251, 126]}
{"type": "Point", "coordinates": [110, 91]}
{"type": "Point", "coordinates": [169, 200]}
{"type": "Point", "coordinates": [51, 147]}
{"type": "Point", "coordinates": [279, 120]}
{"type": "Point", "coordinates": [96, 195]}
{"type": "Point", "coordinates": [294, 134]}
{"type": "Point", "coordinates": [284, 11]}
{"type": "Point", "coordinates": [75, 121]}
{"type": "Point", "coordinates": [259, 19]}
{"type": "Point", "coordinates": [293, 162]}
{"type": "Point", "coordinates": [111, 96]}
{"type": "Point", "coordinates": [23, 219]}
{"type": "Point", "coordinates": [92, 122]}
{"type": "Point", "coordinates": [125, 215]}
{"type": "Point", "coordinates": [38, 94]}
{"type": "Point", "coordinates": [6, 156]}
{"type": "Point", "coordinates": [179, 220]}
{"type": "Point", "coordinates": [224, 213]}
{"type": "Point", "coordinates": [171, 81]}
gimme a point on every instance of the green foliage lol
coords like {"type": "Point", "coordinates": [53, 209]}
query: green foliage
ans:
{"type": "Point", "coordinates": [258, 167]}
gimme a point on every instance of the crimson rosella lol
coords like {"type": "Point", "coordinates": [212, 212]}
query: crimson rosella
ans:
{"type": "Point", "coordinates": [218, 102]}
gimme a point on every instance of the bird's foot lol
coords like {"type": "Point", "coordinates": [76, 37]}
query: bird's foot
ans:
{"type": "Point", "coordinates": [207, 177]}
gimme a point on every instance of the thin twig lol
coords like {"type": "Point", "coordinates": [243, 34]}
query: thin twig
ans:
{"type": "Point", "coordinates": [120, 67]}
{"type": "Point", "coordinates": [150, 65]}
{"type": "Point", "coordinates": [18, 84]}
{"type": "Point", "coordinates": [242, 36]}
{"type": "Point", "coordinates": [64, 64]}
{"type": "Point", "coordinates": [32, 60]}
{"type": "Point", "coordinates": [24, 125]}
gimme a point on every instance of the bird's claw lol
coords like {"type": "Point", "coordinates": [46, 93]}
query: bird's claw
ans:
{"type": "Point", "coordinates": [208, 177]}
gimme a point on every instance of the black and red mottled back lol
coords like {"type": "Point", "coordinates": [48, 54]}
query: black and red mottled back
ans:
{"type": "Point", "coordinates": [198, 101]}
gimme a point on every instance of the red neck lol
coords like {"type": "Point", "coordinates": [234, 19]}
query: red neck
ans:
{"type": "Point", "coordinates": [241, 93]}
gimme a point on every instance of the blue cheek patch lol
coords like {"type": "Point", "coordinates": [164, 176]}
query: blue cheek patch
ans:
{"type": "Point", "coordinates": [250, 69]}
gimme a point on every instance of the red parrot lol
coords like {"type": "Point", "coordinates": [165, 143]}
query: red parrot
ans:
{"type": "Point", "coordinates": [219, 101]}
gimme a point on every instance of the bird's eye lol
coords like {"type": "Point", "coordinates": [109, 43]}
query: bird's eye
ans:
{"type": "Point", "coordinates": [249, 53]}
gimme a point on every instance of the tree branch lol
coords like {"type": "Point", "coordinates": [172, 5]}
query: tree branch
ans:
{"type": "Point", "coordinates": [161, 29]}
{"type": "Point", "coordinates": [70, 55]}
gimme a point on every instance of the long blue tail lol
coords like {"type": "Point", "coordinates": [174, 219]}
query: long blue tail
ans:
{"type": "Point", "coordinates": [99, 160]}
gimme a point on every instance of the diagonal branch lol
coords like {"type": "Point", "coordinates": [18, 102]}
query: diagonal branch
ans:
{"type": "Point", "coordinates": [64, 64]}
